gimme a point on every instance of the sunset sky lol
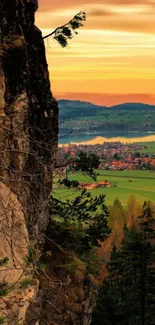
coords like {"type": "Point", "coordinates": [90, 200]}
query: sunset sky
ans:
{"type": "Point", "coordinates": [112, 59]}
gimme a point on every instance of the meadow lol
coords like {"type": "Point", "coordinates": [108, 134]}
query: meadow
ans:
{"type": "Point", "coordinates": [123, 184]}
{"type": "Point", "coordinates": [150, 147]}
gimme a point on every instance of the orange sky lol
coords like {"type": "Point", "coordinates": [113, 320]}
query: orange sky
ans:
{"type": "Point", "coordinates": [112, 59]}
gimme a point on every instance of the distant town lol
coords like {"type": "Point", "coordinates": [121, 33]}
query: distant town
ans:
{"type": "Point", "coordinates": [113, 155]}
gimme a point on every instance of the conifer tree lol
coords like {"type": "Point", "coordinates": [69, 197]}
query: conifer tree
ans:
{"type": "Point", "coordinates": [133, 210]}
{"type": "Point", "coordinates": [79, 222]}
{"type": "Point", "coordinates": [116, 214]}
{"type": "Point", "coordinates": [147, 271]}
{"type": "Point", "coordinates": [127, 296]}
{"type": "Point", "coordinates": [116, 220]}
{"type": "Point", "coordinates": [65, 32]}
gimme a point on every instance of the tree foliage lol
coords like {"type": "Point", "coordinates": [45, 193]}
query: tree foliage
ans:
{"type": "Point", "coordinates": [133, 210]}
{"type": "Point", "coordinates": [87, 164]}
{"type": "Point", "coordinates": [127, 294]}
{"type": "Point", "coordinates": [84, 163]}
{"type": "Point", "coordinates": [82, 226]}
{"type": "Point", "coordinates": [65, 32]}
{"type": "Point", "coordinates": [117, 216]}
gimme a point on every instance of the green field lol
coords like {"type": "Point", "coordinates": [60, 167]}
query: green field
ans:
{"type": "Point", "coordinates": [150, 147]}
{"type": "Point", "coordinates": [139, 183]}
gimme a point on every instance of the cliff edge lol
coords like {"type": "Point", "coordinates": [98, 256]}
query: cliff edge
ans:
{"type": "Point", "coordinates": [28, 142]}
{"type": "Point", "coordinates": [28, 145]}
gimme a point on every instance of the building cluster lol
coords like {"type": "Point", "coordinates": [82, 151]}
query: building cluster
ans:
{"type": "Point", "coordinates": [113, 155]}
{"type": "Point", "coordinates": [129, 163]}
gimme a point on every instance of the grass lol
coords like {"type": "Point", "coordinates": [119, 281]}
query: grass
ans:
{"type": "Point", "coordinates": [150, 147]}
{"type": "Point", "coordinates": [142, 185]}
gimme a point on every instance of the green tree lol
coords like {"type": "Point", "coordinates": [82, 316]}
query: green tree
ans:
{"type": "Point", "coordinates": [127, 294]}
{"type": "Point", "coordinates": [117, 218]}
{"type": "Point", "coordinates": [137, 154]}
{"type": "Point", "coordinates": [133, 211]}
{"type": "Point", "coordinates": [84, 163]}
{"type": "Point", "coordinates": [147, 266]}
{"type": "Point", "coordinates": [80, 225]}
{"type": "Point", "coordinates": [110, 307]}
{"type": "Point", "coordinates": [87, 164]}
{"type": "Point", "coordinates": [116, 156]}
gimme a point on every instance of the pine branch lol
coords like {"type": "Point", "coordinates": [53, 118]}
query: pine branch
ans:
{"type": "Point", "coordinates": [63, 33]}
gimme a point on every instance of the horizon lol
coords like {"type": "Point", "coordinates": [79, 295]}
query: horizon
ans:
{"type": "Point", "coordinates": [112, 54]}
{"type": "Point", "coordinates": [120, 103]}
{"type": "Point", "coordinates": [110, 100]}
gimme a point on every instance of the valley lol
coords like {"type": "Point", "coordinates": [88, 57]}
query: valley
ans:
{"type": "Point", "coordinates": [123, 184]}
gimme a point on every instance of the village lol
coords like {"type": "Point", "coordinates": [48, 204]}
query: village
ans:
{"type": "Point", "coordinates": [113, 155]}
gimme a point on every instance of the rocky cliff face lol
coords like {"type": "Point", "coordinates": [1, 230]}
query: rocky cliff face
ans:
{"type": "Point", "coordinates": [28, 111]}
{"type": "Point", "coordinates": [28, 140]}
{"type": "Point", "coordinates": [28, 143]}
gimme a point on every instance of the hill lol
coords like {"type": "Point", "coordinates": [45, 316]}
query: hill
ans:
{"type": "Point", "coordinates": [76, 108]}
{"type": "Point", "coordinates": [82, 116]}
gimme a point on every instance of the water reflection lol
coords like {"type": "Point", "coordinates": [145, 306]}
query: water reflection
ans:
{"type": "Point", "coordinates": [99, 138]}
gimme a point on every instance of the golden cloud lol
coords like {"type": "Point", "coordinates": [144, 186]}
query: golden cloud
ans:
{"type": "Point", "coordinates": [113, 53]}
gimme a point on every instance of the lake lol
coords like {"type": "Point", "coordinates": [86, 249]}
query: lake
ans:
{"type": "Point", "coordinates": [100, 137]}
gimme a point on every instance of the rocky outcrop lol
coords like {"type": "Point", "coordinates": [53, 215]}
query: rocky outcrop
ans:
{"type": "Point", "coordinates": [14, 237]}
{"type": "Point", "coordinates": [63, 302]}
{"type": "Point", "coordinates": [28, 142]}
{"type": "Point", "coordinates": [28, 111]}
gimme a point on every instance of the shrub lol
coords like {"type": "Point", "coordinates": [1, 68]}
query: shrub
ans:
{"type": "Point", "coordinates": [2, 320]}
{"type": "Point", "coordinates": [4, 261]}
{"type": "Point", "coordinates": [3, 289]}
{"type": "Point", "coordinates": [26, 283]}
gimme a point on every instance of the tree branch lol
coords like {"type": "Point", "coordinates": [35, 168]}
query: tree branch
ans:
{"type": "Point", "coordinates": [69, 23]}
{"type": "Point", "coordinates": [55, 30]}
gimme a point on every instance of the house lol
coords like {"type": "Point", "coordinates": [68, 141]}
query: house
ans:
{"type": "Point", "coordinates": [91, 186]}
{"type": "Point", "coordinates": [103, 184]}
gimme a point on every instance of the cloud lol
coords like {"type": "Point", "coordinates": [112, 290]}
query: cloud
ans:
{"type": "Point", "coordinates": [137, 16]}
{"type": "Point", "coordinates": [101, 13]}
{"type": "Point", "coordinates": [113, 52]}
{"type": "Point", "coordinates": [61, 4]}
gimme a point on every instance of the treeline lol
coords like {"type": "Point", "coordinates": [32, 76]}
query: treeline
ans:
{"type": "Point", "coordinates": [79, 227]}
{"type": "Point", "coordinates": [120, 215]}
{"type": "Point", "coordinates": [127, 294]}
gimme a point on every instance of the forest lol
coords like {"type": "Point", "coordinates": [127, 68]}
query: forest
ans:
{"type": "Point", "coordinates": [116, 245]}
{"type": "Point", "coordinates": [126, 295]}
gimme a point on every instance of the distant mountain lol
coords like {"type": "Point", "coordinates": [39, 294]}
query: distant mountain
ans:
{"type": "Point", "coordinates": [69, 109]}
{"type": "Point", "coordinates": [133, 106]}
{"type": "Point", "coordinates": [80, 116]}
{"type": "Point", "coordinates": [75, 108]}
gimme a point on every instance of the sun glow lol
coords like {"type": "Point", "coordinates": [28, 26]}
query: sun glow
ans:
{"type": "Point", "coordinates": [114, 53]}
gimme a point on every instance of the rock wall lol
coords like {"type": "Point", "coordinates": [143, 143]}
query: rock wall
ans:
{"type": "Point", "coordinates": [28, 142]}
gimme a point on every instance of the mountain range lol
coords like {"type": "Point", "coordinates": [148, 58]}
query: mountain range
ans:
{"type": "Point", "coordinates": [84, 116]}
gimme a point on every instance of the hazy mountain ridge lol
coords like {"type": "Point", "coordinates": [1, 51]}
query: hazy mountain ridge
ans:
{"type": "Point", "coordinates": [81, 116]}
{"type": "Point", "coordinates": [70, 106]}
